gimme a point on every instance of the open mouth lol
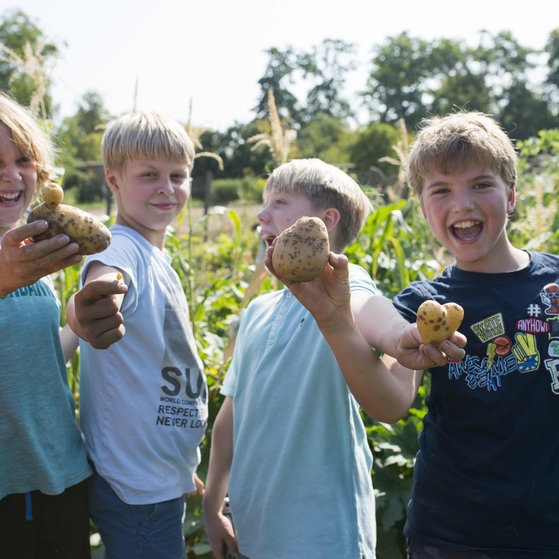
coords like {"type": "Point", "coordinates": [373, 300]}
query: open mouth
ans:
{"type": "Point", "coordinates": [8, 197]}
{"type": "Point", "coordinates": [269, 239]}
{"type": "Point", "coordinates": [467, 230]}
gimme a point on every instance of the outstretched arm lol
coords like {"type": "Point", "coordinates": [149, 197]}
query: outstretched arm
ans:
{"type": "Point", "coordinates": [93, 312]}
{"type": "Point", "coordinates": [355, 323]}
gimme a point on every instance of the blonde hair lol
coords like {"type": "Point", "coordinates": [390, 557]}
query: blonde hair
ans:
{"type": "Point", "coordinates": [447, 144]}
{"type": "Point", "coordinates": [325, 186]}
{"type": "Point", "coordinates": [29, 138]}
{"type": "Point", "coordinates": [145, 135]}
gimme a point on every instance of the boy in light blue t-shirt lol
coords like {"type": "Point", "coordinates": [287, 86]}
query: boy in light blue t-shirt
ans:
{"type": "Point", "coordinates": [288, 445]}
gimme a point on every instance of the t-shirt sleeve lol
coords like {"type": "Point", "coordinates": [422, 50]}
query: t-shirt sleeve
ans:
{"type": "Point", "coordinates": [408, 300]}
{"type": "Point", "coordinates": [359, 280]}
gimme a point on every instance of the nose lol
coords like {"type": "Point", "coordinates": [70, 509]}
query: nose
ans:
{"type": "Point", "coordinates": [10, 173]}
{"type": "Point", "coordinates": [463, 201]}
{"type": "Point", "coordinates": [262, 215]}
{"type": "Point", "coordinates": [166, 186]}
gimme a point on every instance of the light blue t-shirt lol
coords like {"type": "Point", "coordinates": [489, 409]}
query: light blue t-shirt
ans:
{"type": "Point", "coordinates": [300, 483]}
{"type": "Point", "coordinates": [40, 444]}
{"type": "Point", "coordinates": [143, 400]}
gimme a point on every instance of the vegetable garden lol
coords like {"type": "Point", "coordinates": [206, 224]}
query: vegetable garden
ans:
{"type": "Point", "coordinates": [219, 259]}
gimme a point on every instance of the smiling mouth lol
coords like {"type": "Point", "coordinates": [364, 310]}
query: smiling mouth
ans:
{"type": "Point", "coordinates": [467, 230]}
{"type": "Point", "coordinates": [10, 197]}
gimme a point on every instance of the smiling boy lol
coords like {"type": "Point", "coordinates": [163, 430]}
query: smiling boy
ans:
{"type": "Point", "coordinates": [486, 483]}
{"type": "Point", "coordinates": [145, 455]}
{"type": "Point", "coordinates": [289, 445]}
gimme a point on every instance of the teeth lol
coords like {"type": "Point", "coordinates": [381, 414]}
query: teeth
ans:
{"type": "Point", "coordinates": [465, 224]}
{"type": "Point", "coordinates": [9, 197]}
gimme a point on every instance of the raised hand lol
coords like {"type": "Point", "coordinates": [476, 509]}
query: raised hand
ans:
{"type": "Point", "coordinates": [23, 261]}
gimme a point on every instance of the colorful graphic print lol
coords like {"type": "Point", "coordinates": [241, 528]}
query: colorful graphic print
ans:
{"type": "Point", "coordinates": [520, 355]}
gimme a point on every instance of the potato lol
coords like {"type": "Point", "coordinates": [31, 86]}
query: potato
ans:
{"type": "Point", "coordinates": [301, 251]}
{"type": "Point", "coordinates": [437, 322]}
{"type": "Point", "coordinates": [90, 234]}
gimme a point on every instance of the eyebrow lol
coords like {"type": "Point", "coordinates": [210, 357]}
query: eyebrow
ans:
{"type": "Point", "coordinates": [477, 178]}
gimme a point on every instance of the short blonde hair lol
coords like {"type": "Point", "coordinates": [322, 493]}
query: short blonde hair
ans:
{"type": "Point", "coordinates": [449, 143]}
{"type": "Point", "coordinates": [326, 186]}
{"type": "Point", "coordinates": [145, 135]}
{"type": "Point", "coordinates": [29, 138]}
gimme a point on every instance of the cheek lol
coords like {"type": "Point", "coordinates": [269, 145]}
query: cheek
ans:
{"type": "Point", "coordinates": [183, 194]}
{"type": "Point", "coordinates": [31, 187]}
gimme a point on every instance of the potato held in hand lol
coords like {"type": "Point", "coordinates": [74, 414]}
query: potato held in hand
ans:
{"type": "Point", "coordinates": [82, 228]}
{"type": "Point", "coordinates": [437, 322]}
{"type": "Point", "coordinates": [301, 251]}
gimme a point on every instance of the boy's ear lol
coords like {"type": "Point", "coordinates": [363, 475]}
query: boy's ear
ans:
{"type": "Point", "coordinates": [331, 218]}
{"type": "Point", "coordinates": [511, 201]}
{"type": "Point", "coordinates": [111, 180]}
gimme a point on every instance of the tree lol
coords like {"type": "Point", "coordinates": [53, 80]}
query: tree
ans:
{"type": "Point", "coordinates": [525, 113]}
{"type": "Point", "coordinates": [326, 67]}
{"type": "Point", "coordinates": [79, 138]}
{"type": "Point", "coordinates": [412, 78]}
{"type": "Point", "coordinates": [318, 77]}
{"type": "Point", "coordinates": [326, 137]}
{"type": "Point", "coordinates": [396, 84]}
{"type": "Point", "coordinates": [25, 59]}
{"type": "Point", "coordinates": [552, 80]}
{"type": "Point", "coordinates": [80, 135]}
{"type": "Point", "coordinates": [280, 69]}
{"type": "Point", "coordinates": [373, 144]}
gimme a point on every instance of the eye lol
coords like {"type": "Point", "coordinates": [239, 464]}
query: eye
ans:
{"type": "Point", "coordinates": [179, 178]}
{"type": "Point", "coordinates": [438, 190]}
{"type": "Point", "coordinates": [482, 185]}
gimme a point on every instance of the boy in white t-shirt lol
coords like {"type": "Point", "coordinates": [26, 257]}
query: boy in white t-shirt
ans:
{"type": "Point", "coordinates": [143, 400]}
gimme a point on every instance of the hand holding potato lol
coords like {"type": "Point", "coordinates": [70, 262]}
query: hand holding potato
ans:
{"type": "Point", "coordinates": [414, 353]}
{"type": "Point", "coordinates": [23, 262]}
{"type": "Point", "coordinates": [301, 251]}
{"type": "Point", "coordinates": [84, 229]}
{"type": "Point", "coordinates": [437, 322]}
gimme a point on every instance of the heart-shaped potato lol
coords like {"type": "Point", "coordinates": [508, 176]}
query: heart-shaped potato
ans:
{"type": "Point", "coordinates": [301, 251]}
{"type": "Point", "coordinates": [437, 322]}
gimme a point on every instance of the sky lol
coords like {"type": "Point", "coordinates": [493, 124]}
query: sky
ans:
{"type": "Point", "coordinates": [202, 59]}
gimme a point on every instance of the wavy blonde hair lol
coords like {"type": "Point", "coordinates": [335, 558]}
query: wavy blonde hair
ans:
{"type": "Point", "coordinates": [30, 139]}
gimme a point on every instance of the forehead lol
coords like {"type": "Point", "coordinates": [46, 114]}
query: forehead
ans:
{"type": "Point", "coordinates": [282, 193]}
{"type": "Point", "coordinates": [158, 163]}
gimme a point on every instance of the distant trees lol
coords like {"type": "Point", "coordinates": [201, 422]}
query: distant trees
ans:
{"type": "Point", "coordinates": [408, 79]}
{"type": "Point", "coordinates": [26, 57]}
{"type": "Point", "coordinates": [412, 78]}
{"type": "Point", "coordinates": [307, 85]}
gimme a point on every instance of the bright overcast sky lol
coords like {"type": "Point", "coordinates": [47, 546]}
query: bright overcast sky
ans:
{"type": "Point", "coordinates": [212, 52]}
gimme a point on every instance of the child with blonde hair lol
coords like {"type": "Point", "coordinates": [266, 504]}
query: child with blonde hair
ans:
{"type": "Point", "coordinates": [43, 465]}
{"type": "Point", "coordinates": [143, 396]}
{"type": "Point", "coordinates": [485, 477]}
{"type": "Point", "coordinates": [288, 445]}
